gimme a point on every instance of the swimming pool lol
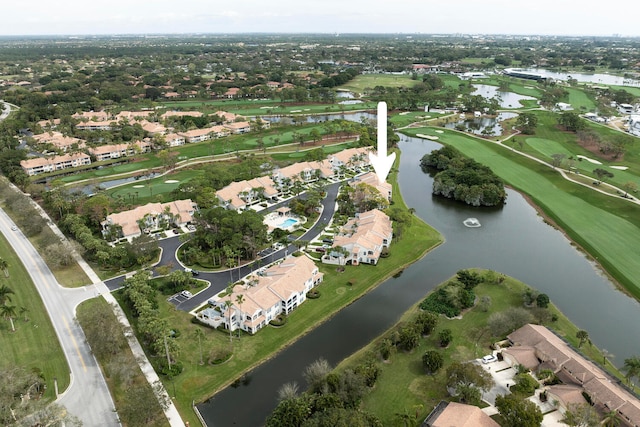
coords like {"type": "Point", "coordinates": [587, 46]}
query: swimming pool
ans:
{"type": "Point", "coordinates": [289, 222]}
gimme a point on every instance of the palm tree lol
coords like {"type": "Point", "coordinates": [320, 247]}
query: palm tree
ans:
{"type": "Point", "coordinates": [583, 336]}
{"type": "Point", "coordinates": [632, 368]}
{"type": "Point", "coordinates": [4, 294]}
{"type": "Point", "coordinates": [9, 312]}
{"type": "Point", "coordinates": [199, 335]}
{"type": "Point", "coordinates": [228, 304]}
{"type": "Point", "coordinates": [4, 266]}
{"type": "Point", "coordinates": [23, 313]}
{"type": "Point", "coordinates": [240, 300]}
{"type": "Point", "coordinates": [611, 419]}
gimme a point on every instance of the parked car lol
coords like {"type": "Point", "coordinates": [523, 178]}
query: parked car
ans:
{"type": "Point", "coordinates": [489, 358]}
{"type": "Point", "coordinates": [321, 250]}
{"type": "Point", "coordinates": [186, 294]}
{"type": "Point", "coordinates": [193, 272]}
{"type": "Point", "coordinates": [327, 241]}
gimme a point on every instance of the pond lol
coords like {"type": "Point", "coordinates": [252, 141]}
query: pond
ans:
{"type": "Point", "coordinates": [489, 126]}
{"type": "Point", "coordinates": [506, 99]}
{"type": "Point", "coordinates": [597, 78]}
{"type": "Point", "coordinates": [513, 240]}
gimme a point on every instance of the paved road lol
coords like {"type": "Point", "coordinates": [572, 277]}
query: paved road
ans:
{"type": "Point", "coordinates": [220, 279]}
{"type": "Point", "coordinates": [87, 396]}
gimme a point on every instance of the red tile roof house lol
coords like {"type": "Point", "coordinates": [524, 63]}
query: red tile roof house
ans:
{"type": "Point", "coordinates": [352, 158]}
{"type": "Point", "coordinates": [90, 125]}
{"type": "Point", "coordinates": [238, 127]}
{"type": "Point", "coordinates": [240, 195]}
{"type": "Point", "coordinates": [452, 414]}
{"type": "Point", "coordinates": [50, 164]}
{"type": "Point", "coordinates": [303, 171]}
{"type": "Point", "coordinates": [115, 151]}
{"type": "Point", "coordinates": [279, 289]}
{"type": "Point", "coordinates": [174, 140]}
{"type": "Point", "coordinates": [363, 238]}
{"type": "Point", "coordinates": [150, 217]}
{"type": "Point", "coordinates": [533, 343]}
{"type": "Point", "coordinates": [233, 92]}
{"type": "Point", "coordinates": [371, 178]}
{"type": "Point", "coordinates": [59, 141]}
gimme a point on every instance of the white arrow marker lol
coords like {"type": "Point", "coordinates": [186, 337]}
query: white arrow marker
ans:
{"type": "Point", "coordinates": [381, 162]}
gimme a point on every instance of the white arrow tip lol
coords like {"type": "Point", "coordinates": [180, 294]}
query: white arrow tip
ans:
{"type": "Point", "coordinates": [382, 165]}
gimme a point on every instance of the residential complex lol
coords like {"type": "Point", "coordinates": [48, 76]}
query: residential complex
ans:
{"type": "Point", "coordinates": [149, 218]}
{"type": "Point", "coordinates": [276, 290]}
{"type": "Point", "coordinates": [361, 240]}
{"type": "Point", "coordinates": [536, 347]}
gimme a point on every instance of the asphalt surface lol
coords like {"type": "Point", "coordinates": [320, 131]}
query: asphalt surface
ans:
{"type": "Point", "coordinates": [220, 279]}
{"type": "Point", "coordinates": [87, 396]}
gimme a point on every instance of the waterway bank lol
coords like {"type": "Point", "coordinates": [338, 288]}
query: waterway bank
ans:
{"type": "Point", "coordinates": [513, 240]}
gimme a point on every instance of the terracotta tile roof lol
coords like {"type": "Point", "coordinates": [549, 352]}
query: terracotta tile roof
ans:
{"type": "Point", "coordinates": [461, 415]}
{"type": "Point", "coordinates": [128, 220]}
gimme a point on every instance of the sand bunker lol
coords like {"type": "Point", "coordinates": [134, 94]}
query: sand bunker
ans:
{"type": "Point", "coordinates": [620, 168]}
{"type": "Point", "coordinates": [171, 181]}
{"type": "Point", "coordinates": [595, 162]}
{"type": "Point", "coordinates": [431, 137]}
{"type": "Point", "coordinates": [138, 186]}
{"type": "Point", "coordinates": [439, 131]}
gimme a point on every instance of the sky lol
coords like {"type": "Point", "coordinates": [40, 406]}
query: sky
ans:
{"type": "Point", "coordinates": [525, 17]}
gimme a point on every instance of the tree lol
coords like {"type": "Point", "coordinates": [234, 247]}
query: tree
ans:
{"type": "Point", "coordinates": [432, 361]}
{"type": "Point", "coordinates": [288, 391]}
{"type": "Point", "coordinates": [409, 337]}
{"type": "Point", "coordinates": [445, 336]}
{"type": "Point", "coordinates": [581, 415]}
{"type": "Point", "coordinates": [583, 337]}
{"type": "Point", "coordinates": [504, 322]}
{"type": "Point", "coordinates": [239, 301]}
{"type": "Point", "coordinates": [526, 123]}
{"type": "Point", "coordinates": [518, 413]}
{"type": "Point", "coordinates": [602, 173]}
{"type": "Point", "coordinates": [467, 380]}
{"type": "Point", "coordinates": [228, 304]}
{"type": "Point", "coordinates": [631, 368]}
{"type": "Point", "coordinates": [4, 266]}
{"type": "Point", "coordinates": [5, 293]}
{"type": "Point", "coordinates": [557, 159]}
{"type": "Point", "coordinates": [628, 187]}
{"type": "Point", "coordinates": [610, 419]}
{"type": "Point", "coordinates": [426, 321]}
{"type": "Point", "coordinates": [9, 312]}
{"type": "Point", "coordinates": [199, 334]}
{"type": "Point", "coordinates": [316, 374]}
{"type": "Point", "coordinates": [542, 301]}
{"type": "Point", "coordinates": [290, 412]}
{"type": "Point", "coordinates": [571, 121]}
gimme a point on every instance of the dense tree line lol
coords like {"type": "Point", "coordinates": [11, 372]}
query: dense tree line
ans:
{"type": "Point", "coordinates": [463, 179]}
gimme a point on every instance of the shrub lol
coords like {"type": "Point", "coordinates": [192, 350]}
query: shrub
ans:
{"type": "Point", "coordinates": [219, 355]}
{"type": "Point", "coordinates": [279, 320]}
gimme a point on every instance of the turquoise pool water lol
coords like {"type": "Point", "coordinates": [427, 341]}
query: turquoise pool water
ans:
{"type": "Point", "coordinates": [289, 222]}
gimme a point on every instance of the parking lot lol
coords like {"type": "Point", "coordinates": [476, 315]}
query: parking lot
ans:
{"type": "Point", "coordinates": [180, 297]}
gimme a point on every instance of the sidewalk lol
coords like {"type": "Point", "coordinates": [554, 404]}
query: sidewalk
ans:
{"type": "Point", "coordinates": [171, 412]}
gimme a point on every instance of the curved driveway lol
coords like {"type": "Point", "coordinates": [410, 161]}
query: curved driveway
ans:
{"type": "Point", "coordinates": [220, 279]}
{"type": "Point", "coordinates": [87, 396]}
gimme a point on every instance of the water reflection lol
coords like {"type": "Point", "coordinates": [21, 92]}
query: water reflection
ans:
{"type": "Point", "coordinates": [487, 126]}
{"type": "Point", "coordinates": [506, 99]}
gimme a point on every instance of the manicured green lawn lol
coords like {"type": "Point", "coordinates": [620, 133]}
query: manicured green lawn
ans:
{"type": "Point", "coordinates": [403, 387]}
{"type": "Point", "coordinates": [406, 118]}
{"type": "Point", "coordinates": [338, 289]}
{"type": "Point", "coordinates": [606, 227]}
{"type": "Point", "coordinates": [281, 109]}
{"type": "Point", "coordinates": [34, 344]}
{"type": "Point", "coordinates": [581, 101]}
{"type": "Point", "coordinates": [364, 81]}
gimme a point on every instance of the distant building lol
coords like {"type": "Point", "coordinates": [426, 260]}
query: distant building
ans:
{"type": "Point", "coordinates": [50, 164]}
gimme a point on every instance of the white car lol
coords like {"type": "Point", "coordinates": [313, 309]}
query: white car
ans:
{"type": "Point", "coordinates": [186, 294]}
{"type": "Point", "coordinates": [489, 358]}
{"type": "Point", "coordinates": [14, 227]}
